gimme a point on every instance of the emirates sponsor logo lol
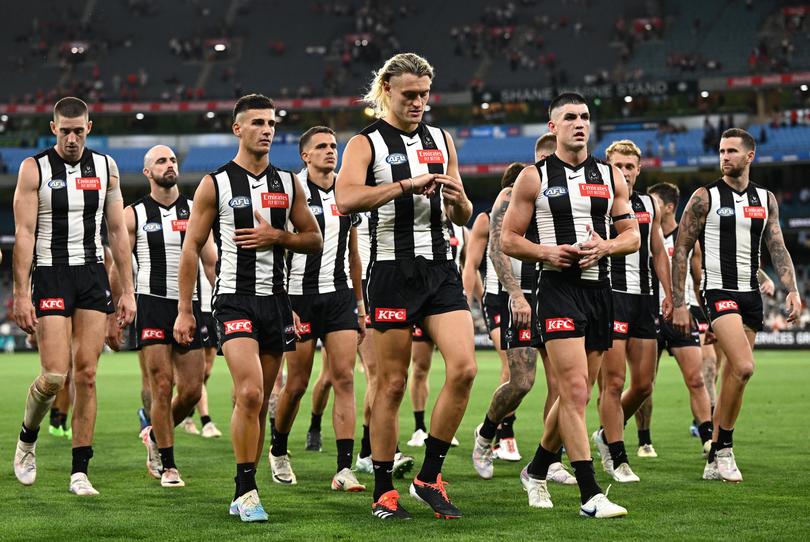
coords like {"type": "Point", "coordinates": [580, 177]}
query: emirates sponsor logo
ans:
{"type": "Point", "coordinates": [726, 305]}
{"type": "Point", "coordinates": [238, 326]}
{"type": "Point", "coordinates": [88, 183]}
{"type": "Point", "coordinates": [525, 335]}
{"type": "Point", "coordinates": [430, 156]}
{"type": "Point", "coordinates": [588, 190]}
{"type": "Point", "coordinates": [335, 211]}
{"type": "Point", "coordinates": [152, 333]}
{"type": "Point", "coordinates": [52, 304]}
{"type": "Point", "coordinates": [750, 211]}
{"type": "Point", "coordinates": [179, 225]}
{"type": "Point", "coordinates": [670, 251]}
{"type": "Point", "coordinates": [275, 200]}
{"type": "Point", "coordinates": [620, 327]}
{"type": "Point", "coordinates": [643, 217]}
{"type": "Point", "coordinates": [559, 324]}
{"type": "Point", "coordinates": [390, 315]}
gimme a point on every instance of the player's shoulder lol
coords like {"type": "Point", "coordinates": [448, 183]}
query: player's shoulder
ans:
{"type": "Point", "coordinates": [373, 127]}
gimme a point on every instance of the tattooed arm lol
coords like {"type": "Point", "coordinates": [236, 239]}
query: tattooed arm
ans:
{"type": "Point", "coordinates": [766, 285]}
{"type": "Point", "coordinates": [781, 260]}
{"type": "Point", "coordinates": [692, 223]}
{"type": "Point", "coordinates": [503, 264]}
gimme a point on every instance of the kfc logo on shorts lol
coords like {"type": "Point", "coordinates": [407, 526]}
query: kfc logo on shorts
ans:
{"type": "Point", "coordinates": [88, 183]}
{"type": "Point", "coordinates": [703, 327]}
{"type": "Point", "coordinates": [430, 156]}
{"type": "Point", "coordinates": [726, 305]}
{"type": "Point", "coordinates": [559, 324]}
{"type": "Point", "coordinates": [238, 326]}
{"type": "Point", "coordinates": [643, 217]}
{"type": "Point", "coordinates": [620, 327]}
{"type": "Point", "coordinates": [52, 304]}
{"type": "Point", "coordinates": [390, 315]}
{"type": "Point", "coordinates": [417, 331]}
{"type": "Point", "coordinates": [368, 319]}
{"type": "Point", "coordinates": [497, 319]}
{"type": "Point", "coordinates": [179, 225]}
{"type": "Point", "coordinates": [525, 335]}
{"type": "Point", "coordinates": [588, 190]}
{"type": "Point", "coordinates": [150, 333]}
{"type": "Point", "coordinates": [275, 200]}
{"type": "Point", "coordinates": [305, 327]}
{"type": "Point", "coordinates": [754, 212]}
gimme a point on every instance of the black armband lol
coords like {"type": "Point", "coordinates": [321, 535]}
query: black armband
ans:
{"type": "Point", "coordinates": [625, 216]}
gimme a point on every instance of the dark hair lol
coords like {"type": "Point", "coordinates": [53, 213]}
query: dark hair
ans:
{"type": "Point", "coordinates": [511, 174]}
{"type": "Point", "coordinates": [70, 108]}
{"type": "Point", "coordinates": [747, 139]}
{"type": "Point", "coordinates": [547, 141]}
{"type": "Point", "coordinates": [564, 99]}
{"type": "Point", "coordinates": [306, 136]}
{"type": "Point", "coordinates": [252, 101]}
{"type": "Point", "coordinates": [668, 193]}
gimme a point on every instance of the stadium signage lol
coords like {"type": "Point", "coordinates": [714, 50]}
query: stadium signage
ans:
{"type": "Point", "coordinates": [604, 91]}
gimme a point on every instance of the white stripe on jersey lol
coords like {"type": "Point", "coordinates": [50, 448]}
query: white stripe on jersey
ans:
{"type": "Point", "coordinates": [456, 233]}
{"type": "Point", "coordinates": [363, 242]}
{"type": "Point", "coordinates": [206, 291]}
{"type": "Point", "coordinates": [632, 273]}
{"type": "Point", "coordinates": [689, 289]}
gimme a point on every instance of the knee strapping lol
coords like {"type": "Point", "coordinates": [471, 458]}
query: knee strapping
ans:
{"type": "Point", "coordinates": [48, 384]}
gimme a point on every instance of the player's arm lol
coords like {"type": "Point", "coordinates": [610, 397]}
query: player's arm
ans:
{"type": "Point", "coordinates": [476, 243]}
{"type": "Point", "coordinates": [114, 333]}
{"type": "Point", "coordinates": [661, 262]}
{"type": "Point", "coordinates": [356, 273]}
{"type": "Point", "coordinates": [120, 246]}
{"type": "Point", "coordinates": [696, 268]}
{"type": "Point", "coordinates": [627, 240]}
{"type": "Point", "coordinates": [766, 285]}
{"type": "Point", "coordinates": [503, 264]}
{"type": "Point", "coordinates": [352, 195]}
{"type": "Point", "coordinates": [26, 209]}
{"type": "Point", "coordinates": [456, 203]}
{"type": "Point", "coordinates": [208, 257]}
{"type": "Point", "coordinates": [781, 260]}
{"type": "Point", "coordinates": [692, 223]}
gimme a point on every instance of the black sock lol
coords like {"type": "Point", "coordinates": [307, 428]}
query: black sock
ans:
{"type": "Point", "coordinates": [29, 435]}
{"type": "Point", "coordinates": [617, 453]}
{"type": "Point", "coordinates": [63, 421]}
{"type": "Point", "coordinates": [644, 437]}
{"type": "Point", "coordinates": [383, 481]}
{"type": "Point", "coordinates": [705, 431]}
{"type": "Point", "coordinates": [272, 429]}
{"type": "Point", "coordinates": [245, 478]}
{"type": "Point", "coordinates": [204, 420]}
{"type": "Point", "coordinates": [167, 457]}
{"type": "Point", "coordinates": [558, 456]}
{"type": "Point", "coordinates": [506, 429]}
{"type": "Point", "coordinates": [419, 418]}
{"type": "Point", "coordinates": [345, 451]}
{"type": "Point", "coordinates": [55, 417]}
{"type": "Point", "coordinates": [712, 452]}
{"type": "Point", "coordinates": [365, 443]}
{"type": "Point", "coordinates": [152, 435]}
{"type": "Point", "coordinates": [488, 429]}
{"type": "Point", "coordinates": [583, 470]}
{"type": "Point", "coordinates": [538, 468]}
{"type": "Point", "coordinates": [279, 444]}
{"type": "Point", "coordinates": [81, 459]}
{"type": "Point", "coordinates": [315, 422]}
{"type": "Point", "coordinates": [724, 438]}
{"type": "Point", "coordinates": [435, 452]}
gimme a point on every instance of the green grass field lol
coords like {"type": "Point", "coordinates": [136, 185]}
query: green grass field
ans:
{"type": "Point", "coordinates": [671, 502]}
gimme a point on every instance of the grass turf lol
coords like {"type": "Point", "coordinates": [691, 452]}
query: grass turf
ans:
{"type": "Point", "coordinates": [671, 502]}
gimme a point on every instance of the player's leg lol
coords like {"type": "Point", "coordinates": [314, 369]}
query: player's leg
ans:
{"type": "Point", "coordinates": [690, 361]}
{"type": "Point", "coordinates": [610, 439]}
{"type": "Point", "coordinates": [271, 367]}
{"type": "Point", "coordinates": [146, 392]}
{"type": "Point", "coordinates": [643, 418]}
{"type": "Point", "coordinates": [60, 409]}
{"type": "Point", "coordinates": [421, 357]}
{"type": "Point", "coordinates": [320, 398]}
{"type": "Point", "coordinates": [209, 429]}
{"type": "Point", "coordinates": [367, 358]}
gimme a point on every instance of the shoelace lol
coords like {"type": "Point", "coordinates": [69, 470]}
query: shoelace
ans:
{"type": "Point", "coordinates": [390, 500]}
{"type": "Point", "coordinates": [439, 486]}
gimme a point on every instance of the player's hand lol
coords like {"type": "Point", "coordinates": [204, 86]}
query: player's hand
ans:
{"type": "Point", "coordinates": [297, 325]}
{"type": "Point", "coordinates": [113, 334]}
{"type": "Point", "coordinates": [793, 306]}
{"type": "Point", "coordinates": [666, 307]}
{"type": "Point", "coordinates": [682, 320]}
{"type": "Point", "coordinates": [709, 337]}
{"type": "Point", "coordinates": [767, 287]}
{"type": "Point", "coordinates": [593, 249]}
{"type": "Point", "coordinates": [126, 310]}
{"type": "Point", "coordinates": [24, 314]}
{"type": "Point", "coordinates": [423, 185]}
{"type": "Point", "coordinates": [361, 321]}
{"type": "Point", "coordinates": [452, 190]}
{"type": "Point", "coordinates": [521, 311]}
{"type": "Point", "coordinates": [184, 327]}
{"type": "Point", "coordinates": [561, 256]}
{"type": "Point", "coordinates": [263, 236]}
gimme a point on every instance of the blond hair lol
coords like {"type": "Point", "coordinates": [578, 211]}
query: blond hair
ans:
{"type": "Point", "coordinates": [396, 65]}
{"type": "Point", "coordinates": [624, 146]}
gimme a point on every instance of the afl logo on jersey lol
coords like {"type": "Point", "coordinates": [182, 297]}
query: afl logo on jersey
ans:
{"type": "Point", "coordinates": [150, 227]}
{"type": "Point", "coordinates": [57, 184]}
{"type": "Point", "coordinates": [316, 210]}
{"type": "Point", "coordinates": [396, 159]}
{"type": "Point", "coordinates": [725, 211]}
{"type": "Point", "coordinates": [555, 191]}
{"type": "Point", "coordinates": [239, 202]}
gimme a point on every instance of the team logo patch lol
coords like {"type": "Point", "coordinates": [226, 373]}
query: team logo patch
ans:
{"type": "Point", "coordinates": [151, 227]}
{"type": "Point", "coordinates": [525, 335]}
{"type": "Point", "coordinates": [430, 156]}
{"type": "Point", "coordinates": [703, 327]}
{"type": "Point", "coordinates": [390, 315]}
{"type": "Point", "coordinates": [182, 213]}
{"type": "Point", "coordinates": [52, 304]}
{"type": "Point", "coordinates": [305, 327]}
{"type": "Point", "coordinates": [396, 159]}
{"type": "Point", "coordinates": [643, 217]}
{"type": "Point", "coordinates": [497, 319]}
{"type": "Point", "coordinates": [555, 191]}
{"type": "Point", "coordinates": [335, 211]}
{"type": "Point", "coordinates": [726, 305]}
{"type": "Point", "coordinates": [57, 184]}
{"type": "Point", "coordinates": [179, 225]}
{"type": "Point", "coordinates": [620, 327]}
{"type": "Point", "coordinates": [725, 211]}
{"type": "Point", "coordinates": [239, 202]}
{"type": "Point", "coordinates": [275, 200]}
{"type": "Point", "coordinates": [150, 333]}
{"type": "Point", "coordinates": [317, 210]}
{"type": "Point", "coordinates": [753, 212]}
{"type": "Point", "coordinates": [88, 183]}
{"type": "Point", "coordinates": [670, 251]}
{"type": "Point", "coordinates": [454, 242]}
{"type": "Point", "coordinates": [588, 190]}
{"type": "Point", "coordinates": [417, 331]}
{"type": "Point", "coordinates": [559, 324]}
{"type": "Point", "coordinates": [238, 326]}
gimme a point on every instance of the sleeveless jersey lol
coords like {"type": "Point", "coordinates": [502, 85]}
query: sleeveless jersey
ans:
{"type": "Point", "coordinates": [689, 288]}
{"type": "Point", "coordinates": [631, 273]}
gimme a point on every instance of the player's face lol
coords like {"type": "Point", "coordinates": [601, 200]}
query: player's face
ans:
{"type": "Point", "coordinates": [665, 209]}
{"type": "Point", "coordinates": [321, 152]}
{"type": "Point", "coordinates": [734, 158]}
{"type": "Point", "coordinates": [571, 123]}
{"type": "Point", "coordinates": [628, 164]}
{"type": "Point", "coordinates": [163, 169]}
{"type": "Point", "coordinates": [408, 95]}
{"type": "Point", "coordinates": [255, 129]}
{"type": "Point", "coordinates": [71, 135]}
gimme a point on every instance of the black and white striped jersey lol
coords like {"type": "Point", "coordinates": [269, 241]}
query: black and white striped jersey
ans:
{"type": "Point", "coordinates": [527, 272]}
{"type": "Point", "coordinates": [631, 274]}
{"type": "Point", "coordinates": [239, 195]}
{"type": "Point", "coordinates": [571, 198]}
{"type": "Point", "coordinates": [732, 237]}
{"type": "Point", "coordinates": [204, 290]}
{"type": "Point", "coordinates": [71, 207]}
{"type": "Point", "coordinates": [410, 225]}
{"type": "Point", "coordinates": [456, 240]}
{"type": "Point", "coordinates": [689, 290]}
{"type": "Point", "coordinates": [363, 240]}
{"type": "Point", "coordinates": [328, 270]}
{"type": "Point", "coordinates": [159, 235]}
{"type": "Point", "coordinates": [492, 285]}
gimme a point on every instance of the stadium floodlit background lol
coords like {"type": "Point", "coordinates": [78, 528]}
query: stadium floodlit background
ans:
{"type": "Point", "coordinates": [669, 74]}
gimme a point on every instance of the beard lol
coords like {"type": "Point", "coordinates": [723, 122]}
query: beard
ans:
{"type": "Point", "coordinates": [735, 172]}
{"type": "Point", "coordinates": [168, 180]}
